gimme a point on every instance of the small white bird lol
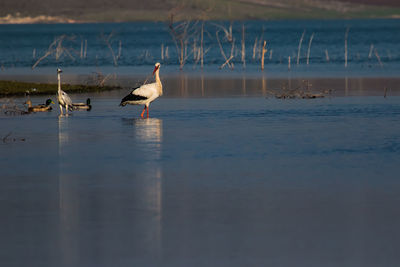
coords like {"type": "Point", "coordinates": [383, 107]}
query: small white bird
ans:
{"type": "Point", "coordinates": [145, 94]}
{"type": "Point", "coordinates": [63, 99]}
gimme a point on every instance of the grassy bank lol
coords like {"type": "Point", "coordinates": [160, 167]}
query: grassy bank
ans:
{"type": "Point", "coordinates": [14, 88]}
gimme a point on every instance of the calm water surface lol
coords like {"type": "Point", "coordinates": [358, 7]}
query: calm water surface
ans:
{"type": "Point", "coordinates": [233, 181]}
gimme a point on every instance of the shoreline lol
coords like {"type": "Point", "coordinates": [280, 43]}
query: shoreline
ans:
{"type": "Point", "coordinates": [53, 20]}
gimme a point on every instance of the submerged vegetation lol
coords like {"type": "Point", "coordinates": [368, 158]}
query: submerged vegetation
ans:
{"type": "Point", "coordinates": [201, 43]}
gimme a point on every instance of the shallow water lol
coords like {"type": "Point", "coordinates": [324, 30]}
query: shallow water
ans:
{"type": "Point", "coordinates": [229, 181]}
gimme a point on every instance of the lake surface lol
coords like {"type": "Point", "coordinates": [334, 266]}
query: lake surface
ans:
{"type": "Point", "coordinates": [221, 174]}
{"type": "Point", "coordinates": [373, 47]}
{"type": "Point", "coordinates": [206, 181]}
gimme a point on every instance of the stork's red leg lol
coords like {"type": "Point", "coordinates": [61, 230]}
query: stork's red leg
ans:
{"type": "Point", "coordinates": [147, 112]}
{"type": "Point", "coordinates": [141, 115]}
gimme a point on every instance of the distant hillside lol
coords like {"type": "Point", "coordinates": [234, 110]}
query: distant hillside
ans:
{"type": "Point", "coordinates": [394, 3]}
{"type": "Point", "coordinates": [135, 10]}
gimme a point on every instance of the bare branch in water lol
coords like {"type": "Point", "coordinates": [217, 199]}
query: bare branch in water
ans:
{"type": "Point", "coordinates": [378, 57]}
{"type": "Point", "coordinates": [264, 50]}
{"type": "Point", "coordinates": [58, 49]}
{"type": "Point", "coordinates": [7, 138]}
{"type": "Point", "coordinates": [108, 42]}
{"type": "Point", "coordinates": [346, 35]}
{"type": "Point", "coordinates": [309, 48]}
{"type": "Point", "coordinates": [299, 47]}
{"type": "Point", "coordinates": [181, 34]}
{"type": "Point", "coordinates": [227, 60]}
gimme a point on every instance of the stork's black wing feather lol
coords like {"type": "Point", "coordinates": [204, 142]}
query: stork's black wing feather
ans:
{"type": "Point", "coordinates": [132, 97]}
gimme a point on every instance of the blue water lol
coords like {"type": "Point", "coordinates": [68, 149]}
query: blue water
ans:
{"type": "Point", "coordinates": [219, 175]}
{"type": "Point", "coordinates": [141, 46]}
{"type": "Point", "coordinates": [216, 181]}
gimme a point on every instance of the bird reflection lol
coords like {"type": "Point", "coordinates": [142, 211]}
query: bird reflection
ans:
{"type": "Point", "coordinates": [68, 208]}
{"type": "Point", "coordinates": [131, 205]}
{"type": "Point", "coordinates": [62, 132]}
{"type": "Point", "coordinates": [149, 130]}
{"type": "Point", "coordinates": [147, 190]}
{"type": "Point", "coordinates": [148, 133]}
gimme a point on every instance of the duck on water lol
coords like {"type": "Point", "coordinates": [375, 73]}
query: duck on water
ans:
{"type": "Point", "coordinates": [40, 107]}
{"type": "Point", "coordinates": [82, 106]}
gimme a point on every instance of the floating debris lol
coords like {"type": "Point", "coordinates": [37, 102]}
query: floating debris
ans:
{"type": "Point", "coordinates": [304, 91]}
{"type": "Point", "coordinates": [7, 138]}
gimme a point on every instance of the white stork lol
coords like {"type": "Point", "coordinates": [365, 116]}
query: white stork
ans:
{"type": "Point", "coordinates": [62, 97]}
{"type": "Point", "coordinates": [145, 94]}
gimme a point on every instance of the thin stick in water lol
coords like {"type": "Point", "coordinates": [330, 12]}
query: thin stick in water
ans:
{"type": "Point", "coordinates": [299, 48]}
{"type": "Point", "coordinates": [255, 48]}
{"type": "Point", "coordinates": [378, 57]}
{"type": "Point", "coordinates": [309, 48]}
{"type": "Point", "coordinates": [194, 49]}
{"type": "Point", "coordinates": [81, 55]}
{"type": "Point", "coordinates": [264, 50]}
{"type": "Point", "coordinates": [201, 46]}
{"type": "Point", "coordinates": [227, 63]}
{"type": "Point", "coordinates": [260, 41]}
{"type": "Point", "coordinates": [326, 55]}
{"type": "Point", "coordinates": [119, 49]}
{"type": "Point", "coordinates": [345, 46]}
{"type": "Point", "coordinates": [84, 52]}
{"type": "Point", "coordinates": [243, 47]}
{"type": "Point", "coordinates": [371, 49]}
{"type": "Point", "coordinates": [232, 51]}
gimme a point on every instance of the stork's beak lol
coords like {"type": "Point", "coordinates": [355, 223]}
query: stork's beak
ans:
{"type": "Point", "coordinates": [53, 102]}
{"type": "Point", "coordinates": [155, 69]}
